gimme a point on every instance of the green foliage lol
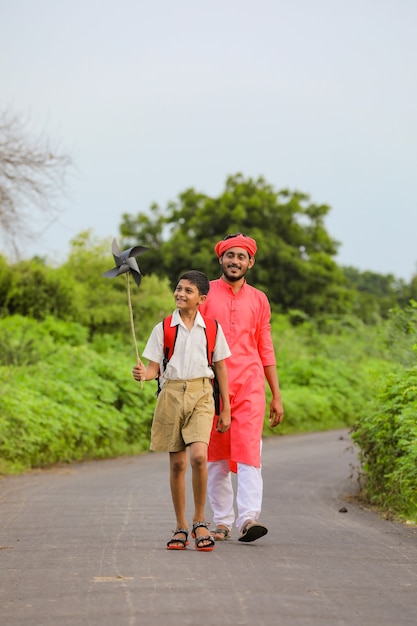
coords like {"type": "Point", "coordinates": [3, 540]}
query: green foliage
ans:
{"type": "Point", "coordinates": [103, 303]}
{"type": "Point", "coordinates": [74, 405]}
{"type": "Point", "coordinates": [295, 265]}
{"type": "Point", "coordinates": [5, 280]}
{"type": "Point", "coordinates": [32, 289]}
{"type": "Point", "coordinates": [78, 292]}
{"type": "Point", "coordinates": [24, 341]}
{"type": "Point", "coordinates": [386, 432]}
{"type": "Point", "coordinates": [327, 369]}
{"type": "Point", "coordinates": [66, 398]}
{"type": "Point", "coordinates": [401, 334]}
{"type": "Point", "coordinates": [387, 437]}
{"type": "Point", "coordinates": [376, 294]}
{"type": "Point", "coordinates": [66, 390]}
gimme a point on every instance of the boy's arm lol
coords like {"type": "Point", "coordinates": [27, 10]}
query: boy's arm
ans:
{"type": "Point", "coordinates": [224, 418]}
{"type": "Point", "coordinates": [140, 372]}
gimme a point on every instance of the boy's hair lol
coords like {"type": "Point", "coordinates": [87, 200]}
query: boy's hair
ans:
{"type": "Point", "coordinates": [198, 279]}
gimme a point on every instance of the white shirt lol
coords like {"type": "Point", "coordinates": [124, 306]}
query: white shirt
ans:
{"type": "Point", "coordinates": [189, 359]}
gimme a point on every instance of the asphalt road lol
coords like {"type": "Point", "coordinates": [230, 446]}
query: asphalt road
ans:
{"type": "Point", "coordinates": [84, 545]}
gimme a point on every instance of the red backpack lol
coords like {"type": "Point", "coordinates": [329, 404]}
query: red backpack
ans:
{"type": "Point", "coordinates": [170, 336]}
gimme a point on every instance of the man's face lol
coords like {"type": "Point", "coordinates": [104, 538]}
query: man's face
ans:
{"type": "Point", "coordinates": [235, 262]}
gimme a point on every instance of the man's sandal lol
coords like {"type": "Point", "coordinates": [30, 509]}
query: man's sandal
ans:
{"type": "Point", "coordinates": [221, 533]}
{"type": "Point", "coordinates": [205, 543]}
{"type": "Point", "coordinates": [251, 531]}
{"type": "Point", "coordinates": [176, 543]}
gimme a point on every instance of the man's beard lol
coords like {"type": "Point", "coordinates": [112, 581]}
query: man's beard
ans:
{"type": "Point", "coordinates": [234, 277]}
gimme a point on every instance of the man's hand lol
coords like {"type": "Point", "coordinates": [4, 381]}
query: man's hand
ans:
{"type": "Point", "coordinates": [276, 412]}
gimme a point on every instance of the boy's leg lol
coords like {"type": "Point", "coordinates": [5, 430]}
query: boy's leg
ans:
{"type": "Point", "coordinates": [198, 460]}
{"type": "Point", "coordinates": [178, 467]}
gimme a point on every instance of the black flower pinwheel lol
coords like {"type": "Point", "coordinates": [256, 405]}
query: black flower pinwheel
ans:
{"type": "Point", "coordinates": [126, 262]}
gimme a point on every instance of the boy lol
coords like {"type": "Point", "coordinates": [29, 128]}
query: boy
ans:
{"type": "Point", "coordinates": [184, 410]}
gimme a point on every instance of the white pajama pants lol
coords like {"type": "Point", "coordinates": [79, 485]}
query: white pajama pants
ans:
{"type": "Point", "coordinates": [221, 497]}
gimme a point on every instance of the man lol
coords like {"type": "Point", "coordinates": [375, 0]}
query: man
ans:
{"type": "Point", "coordinates": [244, 314]}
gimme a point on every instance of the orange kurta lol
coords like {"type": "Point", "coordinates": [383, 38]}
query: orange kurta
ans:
{"type": "Point", "coordinates": [245, 319]}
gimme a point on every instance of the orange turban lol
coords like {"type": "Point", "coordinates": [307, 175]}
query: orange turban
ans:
{"type": "Point", "coordinates": [238, 241]}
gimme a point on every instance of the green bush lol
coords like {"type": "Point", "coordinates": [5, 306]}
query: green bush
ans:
{"type": "Point", "coordinates": [74, 405]}
{"type": "Point", "coordinates": [327, 369]}
{"type": "Point", "coordinates": [401, 334]}
{"type": "Point", "coordinates": [386, 431]}
{"type": "Point", "coordinates": [30, 288]}
{"type": "Point", "coordinates": [25, 341]}
{"type": "Point", "coordinates": [387, 437]}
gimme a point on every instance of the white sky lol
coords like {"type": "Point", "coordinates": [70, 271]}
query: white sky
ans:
{"type": "Point", "coordinates": [152, 97]}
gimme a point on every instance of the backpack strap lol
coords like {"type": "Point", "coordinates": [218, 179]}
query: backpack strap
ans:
{"type": "Point", "coordinates": [170, 337]}
{"type": "Point", "coordinates": [211, 334]}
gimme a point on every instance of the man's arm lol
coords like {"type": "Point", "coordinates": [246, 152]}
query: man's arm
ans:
{"type": "Point", "coordinates": [276, 409]}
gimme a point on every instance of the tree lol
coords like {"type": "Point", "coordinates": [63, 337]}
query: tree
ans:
{"type": "Point", "coordinates": [31, 288]}
{"type": "Point", "coordinates": [32, 174]}
{"type": "Point", "coordinates": [377, 294]}
{"type": "Point", "coordinates": [78, 292]}
{"type": "Point", "coordinates": [102, 304]}
{"type": "Point", "coordinates": [294, 264]}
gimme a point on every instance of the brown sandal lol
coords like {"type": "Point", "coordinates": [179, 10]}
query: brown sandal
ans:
{"type": "Point", "coordinates": [221, 533]}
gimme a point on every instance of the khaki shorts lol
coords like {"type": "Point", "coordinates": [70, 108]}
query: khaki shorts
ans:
{"type": "Point", "coordinates": [183, 414]}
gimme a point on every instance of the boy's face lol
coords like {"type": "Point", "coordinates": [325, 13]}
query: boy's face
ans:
{"type": "Point", "coordinates": [187, 296]}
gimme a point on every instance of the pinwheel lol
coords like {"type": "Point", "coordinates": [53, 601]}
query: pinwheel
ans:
{"type": "Point", "coordinates": [126, 264]}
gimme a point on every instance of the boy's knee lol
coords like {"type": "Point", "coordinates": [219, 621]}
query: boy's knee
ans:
{"type": "Point", "coordinates": [179, 466]}
{"type": "Point", "coordinates": [199, 460]}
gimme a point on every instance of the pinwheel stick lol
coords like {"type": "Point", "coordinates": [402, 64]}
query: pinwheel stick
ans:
{"type": "Point", "coordinates": [125, 262]}
{"type": "Point", "coordinates": [132, 324]}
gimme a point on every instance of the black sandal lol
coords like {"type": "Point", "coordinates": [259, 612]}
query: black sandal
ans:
{"type": "Point", "coordinates": [207, 540]}
{"type": "Point", "coordinates": [252, 530]}
{"type": "Point", "coordinates": [176, 543]}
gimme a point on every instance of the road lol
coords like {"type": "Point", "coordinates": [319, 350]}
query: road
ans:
{"type": "Point", "coordinates": [84, 545]}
